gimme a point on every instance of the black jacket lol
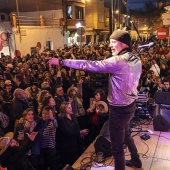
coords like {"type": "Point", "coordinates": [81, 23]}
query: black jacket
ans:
{"type": "Point", "coordinates": [18, 107]}
{"type": "Point", "coordinates": [59, 99]}
{"type": "Point", "coordinates": [14, 158]}
{"type": "Point", "coordinates": [69, 138]}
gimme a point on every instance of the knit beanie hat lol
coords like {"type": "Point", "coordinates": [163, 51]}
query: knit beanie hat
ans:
{"type": "Point", "coordinates": [121, 36]}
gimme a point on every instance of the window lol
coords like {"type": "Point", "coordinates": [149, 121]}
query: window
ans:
{"type": "Point", "coordinates": [69, 12]}
{"type": "Point", "coordinates": [33, 50]}
{"type": "Point", "coordinates": [79, 12]}
{"type": "Point", "coordinates": [49, 45]}
{"type": "Point", "coordinates": [2, 17]}
{"type": "Point", "coordinates": [100, 17]}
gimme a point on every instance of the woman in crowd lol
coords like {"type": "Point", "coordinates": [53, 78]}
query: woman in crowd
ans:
{"type": "Point", "coordinates": [26, 124]}
{"type": "Point", "coordinates": [41, 95]}
{"type": "Point", "coordinates": [70, 135]}
{"type": "Point", "coordinates": [13, 156]}
{"type": "Point", "coordinates": [7, 92]}
{"type": "Point", "coordinates": [46, 137]}
{"type": "Point", "coordinates": [49, 101]}
{"type": "Point", "coordinates": [97, 115]}
{"type": "Point", "coordinates": [146, 82]}
{"type": "Point", "coordinates": [75, 97]}
{"type": "Point", "coordinates": [6, 117]}
{"type": "Point", "coordinates": [164, 70]}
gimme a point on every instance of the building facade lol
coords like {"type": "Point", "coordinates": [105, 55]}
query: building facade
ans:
{"type": "Point", "coordinates": [32, 31]}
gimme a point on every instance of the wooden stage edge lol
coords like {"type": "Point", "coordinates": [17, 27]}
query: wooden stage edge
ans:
{"type": "Point", "coordinates": [154, 152]}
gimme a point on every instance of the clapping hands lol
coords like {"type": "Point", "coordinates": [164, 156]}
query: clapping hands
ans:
{"type": "Point", "coordinates": [32, 135]}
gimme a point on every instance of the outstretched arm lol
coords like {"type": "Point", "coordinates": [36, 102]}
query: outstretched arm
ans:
{"type": "Point", "coordinates": [53, 61]}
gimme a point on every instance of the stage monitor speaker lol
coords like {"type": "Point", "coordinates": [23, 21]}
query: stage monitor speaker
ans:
{"type": "Point", "coordinates": [161, 121]}
{"type": "Point", "coordinates": [162, 97]}
{"type": "Point", "coordinates": [103, 143]}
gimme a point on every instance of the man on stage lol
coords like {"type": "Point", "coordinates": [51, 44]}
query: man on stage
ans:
{"type": "Point", "coordinates": [125, 70]}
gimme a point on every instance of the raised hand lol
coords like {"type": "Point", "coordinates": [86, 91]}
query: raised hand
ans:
{"type": "Point", "coordinates": [52, 61]}
{"type": "Point", "coordinates": [32, 135]}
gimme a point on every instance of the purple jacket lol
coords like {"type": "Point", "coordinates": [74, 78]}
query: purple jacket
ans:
{"type": "Point", "coordinates": [124, 70]}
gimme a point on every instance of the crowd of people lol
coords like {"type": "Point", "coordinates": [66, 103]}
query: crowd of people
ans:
{"type": "Point", "coordinates": [58, 103]}
{"type": "Point", "coordinates": [56, 112]}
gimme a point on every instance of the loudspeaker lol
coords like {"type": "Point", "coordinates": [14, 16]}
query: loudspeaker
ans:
{"type": "Point", "coordinates": [161, 121]}
{"type": "Point", "coordinates": [161, 124]}
{"type": "Point", "coordinates": [162, 97]}
{"type": "Point", "coordinates": [103, 143]}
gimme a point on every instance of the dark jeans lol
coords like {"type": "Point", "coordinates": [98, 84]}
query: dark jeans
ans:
{"type": "Point", "coordinates": [49, 158]}
{"type": "Point", "coordinates": [119, 125]}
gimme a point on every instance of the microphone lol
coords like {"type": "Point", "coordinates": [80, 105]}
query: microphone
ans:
{"type": "Point", "coordinates": [147, 45]}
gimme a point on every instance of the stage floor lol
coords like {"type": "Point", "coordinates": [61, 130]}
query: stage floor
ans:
{"type": "Point", "coordinates": [154, 152]}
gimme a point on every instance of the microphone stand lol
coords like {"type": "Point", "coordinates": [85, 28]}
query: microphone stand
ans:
{"type": "Point", "coordinates": [136, 30]}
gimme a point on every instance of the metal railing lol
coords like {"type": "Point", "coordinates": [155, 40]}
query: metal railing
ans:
{"type": "Point", "coordinates": [36, 21]}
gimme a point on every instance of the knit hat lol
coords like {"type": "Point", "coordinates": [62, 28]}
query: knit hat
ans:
{"type": "Point", "coordinates": [121, 36]}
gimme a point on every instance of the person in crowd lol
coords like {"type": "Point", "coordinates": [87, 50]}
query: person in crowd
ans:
{"type": "Point", "coordinates": [40, 79]}
{"type": "Point", "coordinates": [155, 68]}
{"type": "Point", "coordinates": [19, 83]}
{"type": "Point", "coordinates": [46, 86]}
{"type": "Point", "coordinates": [59, 96]}
{"type": "Point", "coordinates": [9, 68]}
{"type": "Point", "coordinates": [26, 124]}
{"type": "Point", "coordinates": [53, 75]}
{"type": "Point", "coordinates": [32, 76]}
{"type": "Point", "coordinates": [7, 92]}
{"type": "Point", "coordinates": [70, 135]}
{"type": "Point", "coordinates": [41, 95]}
{"type": "Point", "coordinates": [46, 136]}
{"type": "Point", "coordinates": [163, 59]}
{"type": "Point", "coordinates": [146, 82]}
{"type": "Point", "coordinates": [32, 91]}
{"type": "Point", "coordinates": [13, 156]}
{"type": "Point", "coordinates": [49, 101]}
{"type": "Point", "coordinates": [2, 84]}
{"type": "Point", "coordinates": [164, 71]}
{"type": "Point", "coordinates": [72, 75]}
{"type": "Point", "coordinates": [98, 113]}
{"type": "Point", "coordinates": [125, 71]}
{"type": "Point", "coordinates": [155, 86]}
{"type": "Point", "coordinates": [166, 85]}
{"type": "Point", "coordinates": [19, 103]}
{"type": "Point", "coordinates": [75, 96]}
{"type": "Point", "coordinates": [6, 117]}
{"type": "Point", "coordinates": [8, 76]}
{"type": "Point", "coordinates": [65, 79]}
